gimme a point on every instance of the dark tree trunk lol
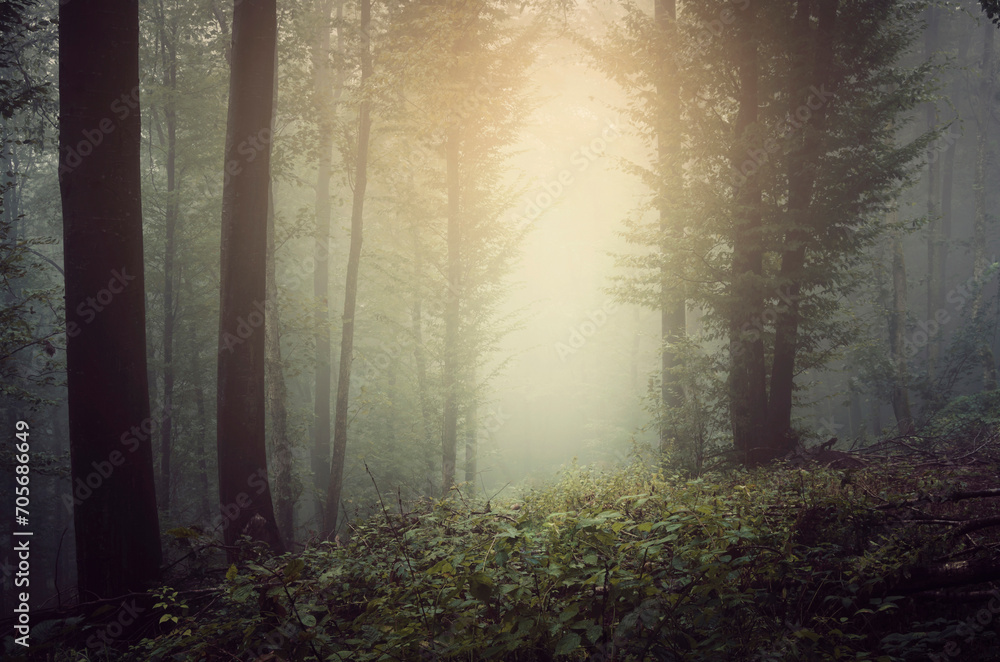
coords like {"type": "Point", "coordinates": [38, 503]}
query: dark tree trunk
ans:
{"type": "Point", "coordinates": [111, 458]}
{"type": "Point", "coordinates": [332, 509]}
{"type": "Point", "coordinates": [747, 387]}
{"type": "Point", "coordinates": [244, 491]}
{"type": "Point", "coordinates": [814, 53]}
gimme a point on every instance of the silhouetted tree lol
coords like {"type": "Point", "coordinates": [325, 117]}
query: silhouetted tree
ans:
{"type": "Point", "coordinates": [117, 529]}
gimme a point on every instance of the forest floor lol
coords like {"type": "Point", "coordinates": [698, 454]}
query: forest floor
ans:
{"type": "Point", "coordinates": [894, 560]}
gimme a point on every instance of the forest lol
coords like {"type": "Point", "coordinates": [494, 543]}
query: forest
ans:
{"type": "Point", "coordinates": [536, 330]}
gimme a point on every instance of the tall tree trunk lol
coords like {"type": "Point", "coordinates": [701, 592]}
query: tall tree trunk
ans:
{"type": "Point", "coordinates": [322, 89]}
{"type": "Point", "coordinates": [449, 435]}
{"type": "Point", "coordinates": [948, 178]}
{"type": "Point", "coordinates": [201, 422]}
{"type": "Point", "coordinates": [813, 63]}
{"type": "Point", "coordinates": [111, 458]}
{"type": "Point", "coordinates": [277, 393]}
{"type": "Point", "coordinates": [935, 229]}
{"type": "Point", "coordinates": [979, 240]}
{"type": "Point", "coordinates": [332, 510]}
{"type": "Point", "coordinates": [672, 302]}
{"type": "Point", "coordinates": [244, 492]}
{"type": "Point", "coordinates": [169, 56]}
{"type": "Point", "coordinates": [747, 379]}
{"type": "Point", "coordinates": [419, 355]}
{"type": "Point", "coordinates": [471, 430]}
{"type": "Point", "coordinates": [900, 396]}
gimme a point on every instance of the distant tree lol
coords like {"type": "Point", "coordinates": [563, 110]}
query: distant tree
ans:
{"type": "Point", "coordinates": [984, 117]}
{"type": "Point", "coordinates": [332, 508]}
{"type": "Point", "coordinates": [328, 85]}
{"type": "Point", "coordinates": [244, 491]}
{"type": "Point", "coordinates": [116, 522]}
{"type": "Point", "coordinates": [789, 183]}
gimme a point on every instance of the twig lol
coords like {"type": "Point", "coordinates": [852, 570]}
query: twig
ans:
{"type": "Point", "coordinates": [401, 542]}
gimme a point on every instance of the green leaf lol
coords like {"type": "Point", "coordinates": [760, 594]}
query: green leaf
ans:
{"type": "Point", "coordinates": [569, 643]}
{"type": "Point", "coordinates": [294, 569]}
{"type": "Point", "coordinates": [442, 567]}
{"type": "Point", "coordinates": [231, 573]}
{"type": "Point", "coordinates": [481, 586]}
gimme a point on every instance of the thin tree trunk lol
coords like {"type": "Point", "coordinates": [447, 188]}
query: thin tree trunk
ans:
{"type": "Point", "coordinates": [419, 355]}
{"type": "Point", "coordinates": [332, 510]}
{"type": "Point", "coordinates": [111, 458]}
{"type": "Point", "coordinates": [322, 89]}
{"type": "Point", "coordinates": [900, 396]}
{"type": "Point", "coordinates": [672, 302]}
{"type": "Point", "coordinates": [979, 239]}
{"type": "Point", "coordinates": [471, 430]}
{"type": "Point", "coordinates": [169, 54]}
{"type": "Point", "coordinates": [277, 393]}
{"type": "Point", "coordinates": [948, 180]}
{"type": "Point", "coordinates": [449, 436]}
{"type": "Point", "coordinates": [244, 491]}
{"type": "Point", "coordinates": [201, 422]}
{"type": "Point", "coordinates": [935, 229]}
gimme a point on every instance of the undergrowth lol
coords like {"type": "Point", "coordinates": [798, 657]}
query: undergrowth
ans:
{"type": "Point", "coordinates": [772, 564]}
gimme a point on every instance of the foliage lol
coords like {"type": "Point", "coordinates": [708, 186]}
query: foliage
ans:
{"type": "Point", "coordinates": [628, 565]}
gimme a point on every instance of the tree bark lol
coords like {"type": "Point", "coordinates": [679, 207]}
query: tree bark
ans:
{"type": "Point", "coordinates": [244, 491]}
{"type": "Point", "coordinates": [116, 521]}
{"type": "Point", "coordinates": [332, 509]}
